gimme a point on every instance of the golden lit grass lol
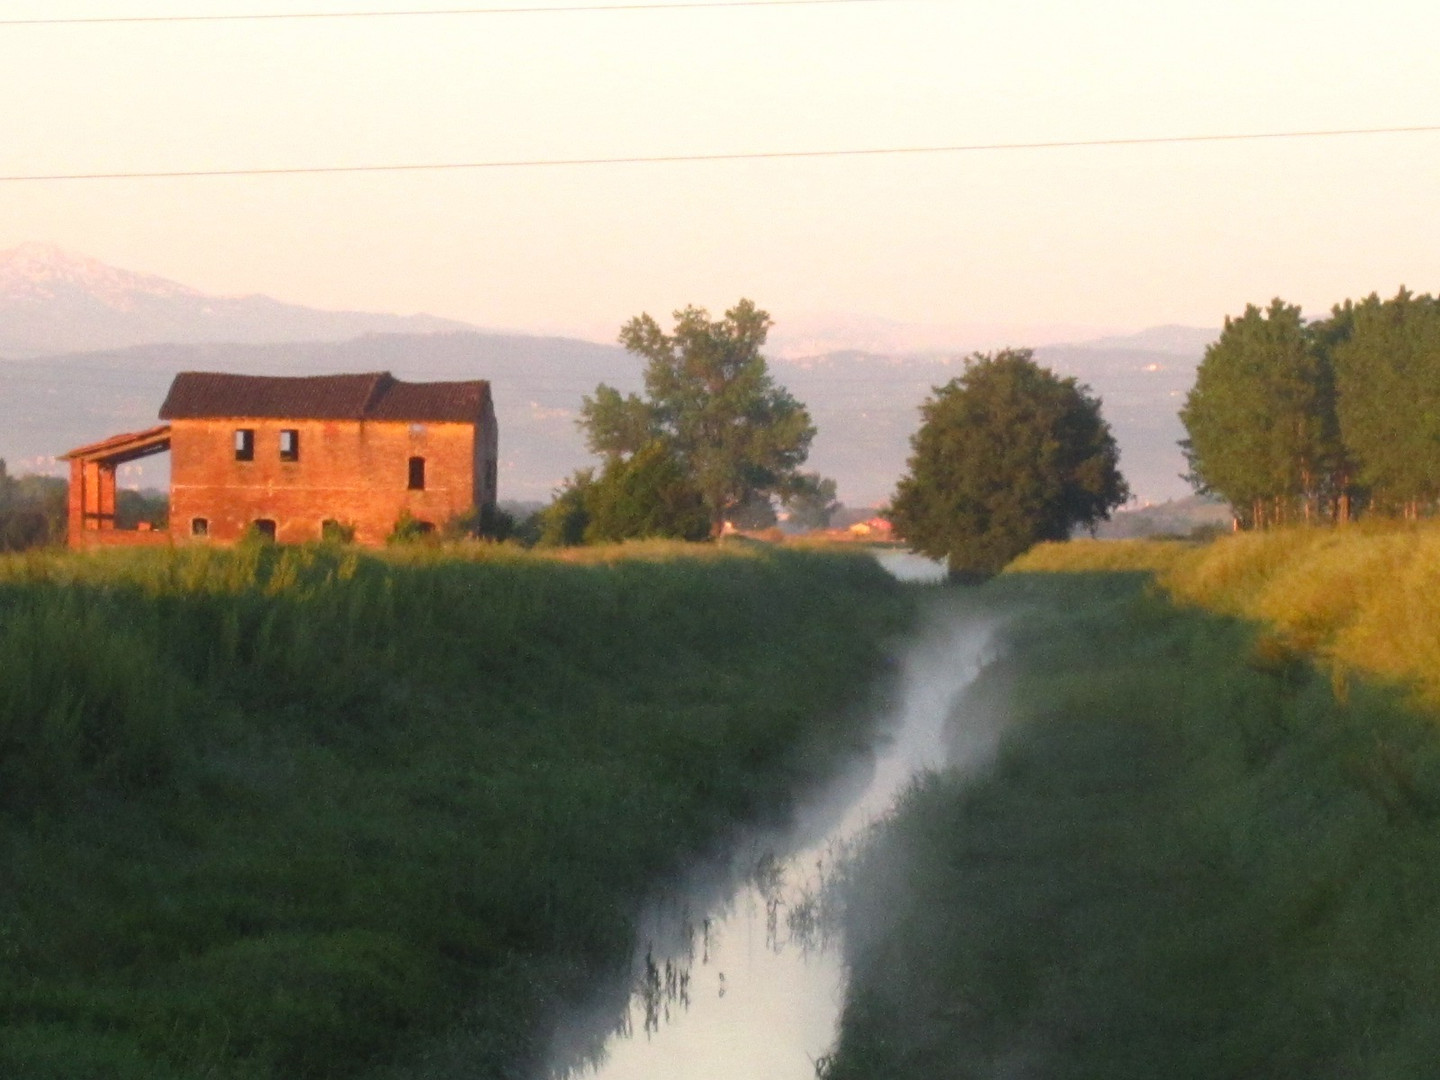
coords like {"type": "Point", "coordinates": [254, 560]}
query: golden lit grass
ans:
{"type": "Point", "coordinates": [1077, 556]}
{"type": "Point", "coordinates": [1364, 597]}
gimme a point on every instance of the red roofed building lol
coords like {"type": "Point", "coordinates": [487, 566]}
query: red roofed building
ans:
{"type": "Point", "coordinates": [287, 455]}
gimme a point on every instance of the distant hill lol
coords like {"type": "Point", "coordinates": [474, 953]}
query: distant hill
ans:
{"type": "Point", "coordinates": [1188, 341]}
{"type": "Point", "coordinates": [52, 301]}
{"type": "Point", "coordinates": [867, 406]}
{"type": "Point", "coordinates": [78, 362]}
{"type": "Point", "coordinates": [1179, 517]}
{"type": "Point", "coordinates": [53, 403]}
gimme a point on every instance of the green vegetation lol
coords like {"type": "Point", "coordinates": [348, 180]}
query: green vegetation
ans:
{"type": "Point", "coordinates": [32, 510]}
{"type": "Point", "coordinates": [1290, 420]}
{"type": "Point", "coordinates": [278, 812]}
{"type": "Point", "coordinates": [644, 496]}
{"type": "Point", "coordinates": [712, 410]}
{"type": "Point", "coordinates": [1009, 454]}
{"type": "Point", "coordinates": [1190, 861]}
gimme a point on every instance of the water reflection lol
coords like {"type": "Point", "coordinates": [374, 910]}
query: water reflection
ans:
{"type": "Point", "coordinates": [909, 566]}
{"type": "Point", "coordinates": [739, 973]}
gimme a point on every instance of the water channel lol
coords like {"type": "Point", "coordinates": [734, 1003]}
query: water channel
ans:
{"type": "Point", "coordinates": [737, 973]}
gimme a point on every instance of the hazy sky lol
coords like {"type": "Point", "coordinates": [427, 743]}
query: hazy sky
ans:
{"type": "Point", "coordinates": [1113, 238]}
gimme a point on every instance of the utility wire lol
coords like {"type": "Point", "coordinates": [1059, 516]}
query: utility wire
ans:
{"type": "Point", "coordinates": [429, 12]}
{"type": "Point", "coordinates": [772, 155]}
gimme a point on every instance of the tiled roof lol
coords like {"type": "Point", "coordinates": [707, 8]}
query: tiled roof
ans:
{"type": "Point", "coordinates": [197, 395]}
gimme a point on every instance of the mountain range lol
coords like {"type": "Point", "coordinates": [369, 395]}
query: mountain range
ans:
{"type": "Point", "coordinates": [54, 302]}
{"type": "Point", "coordinates": [88, 350]}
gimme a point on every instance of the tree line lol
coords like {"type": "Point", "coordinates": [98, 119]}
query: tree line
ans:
{"type": "Point", "coordinates": [1320, 420]}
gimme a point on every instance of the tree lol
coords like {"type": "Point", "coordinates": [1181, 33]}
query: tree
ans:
{"type": "Point", "coordinates": [1387, 372]}
{"type": "Point", "coordinates": [811, 501]}
{"type": "Point", "coordinates": [646, 495]}
{"type": "Point", "coordinates": [711, 402]}
{"type": "Point", "coordinates": [1008, 454]}
{"type": "Point", "coordinates": [564, 521]}
{"type": "Point", "coordinates": [1261, 419]}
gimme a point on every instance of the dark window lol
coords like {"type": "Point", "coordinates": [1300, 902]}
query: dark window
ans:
{"type": "Point", "coordinates": [265, 527]}
{"type": "Point", "coordinates": [417, 474]}
{"type": "Point", "coordinates": [244, 444]}
{"type": "Point", "coordinates": [199, 526]}
{"type": "Point", "coordinates": [289, 445]}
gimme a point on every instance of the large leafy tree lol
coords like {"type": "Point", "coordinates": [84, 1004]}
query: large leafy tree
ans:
{"type": "Point", "coordinates": [1387, 371]}
{"type": "Point", "coordinates": [711, 403]}
{"type": "Point", "coordinates": [1008, 454]}
{"type": "Point", "coordinates": [1261, 416]}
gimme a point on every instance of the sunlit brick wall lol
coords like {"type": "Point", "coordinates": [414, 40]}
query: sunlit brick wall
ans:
{"type": "Point", "coordinates": [354, 472]}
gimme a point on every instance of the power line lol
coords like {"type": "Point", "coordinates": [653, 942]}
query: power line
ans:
{"type": "Point", "coordinates": [429, 12]}
{"type": "Point", "coordinates": [770, 155]}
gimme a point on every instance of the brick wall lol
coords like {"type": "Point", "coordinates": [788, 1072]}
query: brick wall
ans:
{"type": "Point", "coordinates": [355, 472]}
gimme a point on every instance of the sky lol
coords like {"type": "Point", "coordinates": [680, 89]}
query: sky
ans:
{"type": "Point", "coordinates": [1056, 243]}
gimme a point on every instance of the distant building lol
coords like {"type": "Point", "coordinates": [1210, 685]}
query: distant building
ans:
{"type": "Point", "coordinates": [875, 528]}
{"type": "Point", "coordinates": [288, 455]}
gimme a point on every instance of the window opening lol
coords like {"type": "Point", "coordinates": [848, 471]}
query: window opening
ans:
{"type": "Point", "coordinates": [244, 444]}
{"type": "Point", "coordinates": [289, 445]}
{"type": "Point", "coordinates": [417, 474]}
{"type": "Point", "coordinates": [199, 526]}
{"type": "Point", "coordinates": [265, 527]}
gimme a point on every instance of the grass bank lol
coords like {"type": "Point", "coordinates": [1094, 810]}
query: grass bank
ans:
{"type": "Point", "coordinates": [1190, 861]}
{"type": "Point", "coordinates": [297, 812]}
{"type": "Point", "coordinates": [1364, 597]}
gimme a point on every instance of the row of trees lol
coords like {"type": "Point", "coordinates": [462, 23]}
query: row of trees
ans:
{"type": "Point", "coordinates": [1292, 419]}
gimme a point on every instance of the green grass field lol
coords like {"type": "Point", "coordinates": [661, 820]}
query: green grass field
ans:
{"type": "Point", "coordinates": [284, 813]}
{"type": "Point", "coordinates": [1190, 861]}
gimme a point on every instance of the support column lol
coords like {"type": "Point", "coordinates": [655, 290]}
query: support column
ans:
{"type": "Point", "coordinates": [105, 505]}
{"type": "Point", "coordinates": [75, 522]}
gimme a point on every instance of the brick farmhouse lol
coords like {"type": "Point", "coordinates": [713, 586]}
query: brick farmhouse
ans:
{"type": "Point", "coordinates": [288, 455]}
